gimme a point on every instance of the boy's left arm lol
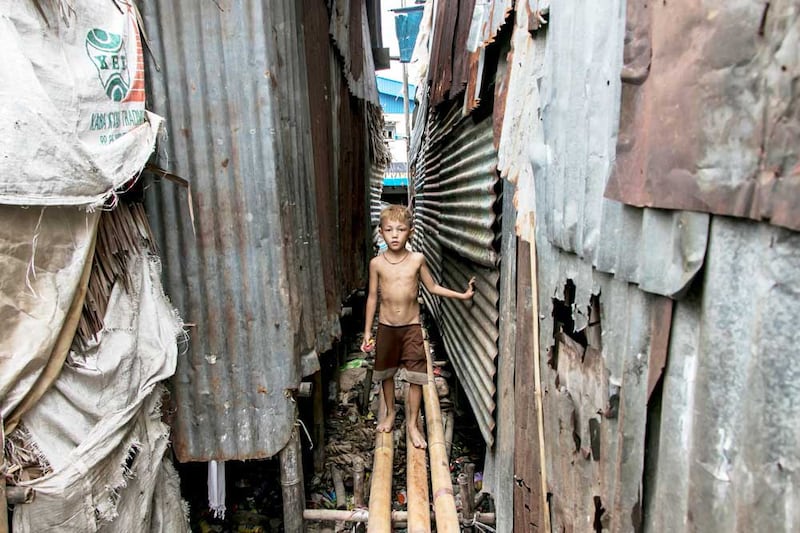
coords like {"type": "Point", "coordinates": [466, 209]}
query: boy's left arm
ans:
{"type": "Point", "coordinates": [438, 290]}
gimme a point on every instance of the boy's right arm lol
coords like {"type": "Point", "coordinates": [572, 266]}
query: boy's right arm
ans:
{"type": "Point", "coordinates": [372, 303]}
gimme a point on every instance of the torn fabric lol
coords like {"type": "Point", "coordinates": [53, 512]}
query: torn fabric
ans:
{"type": "Point", "coordinates": [99, 426]}
{"type": "Point", "coordinates": [43, 255]}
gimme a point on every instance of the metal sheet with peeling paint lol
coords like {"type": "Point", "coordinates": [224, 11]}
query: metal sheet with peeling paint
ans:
{"type": "Point", "coordinates": [456, 228]}
{"type": "Point", "coordinates": [725, 103]}
{"type": "Point", "coordinates": [247, 270]}
{"type": "Point", "coordinates": [561, 174]}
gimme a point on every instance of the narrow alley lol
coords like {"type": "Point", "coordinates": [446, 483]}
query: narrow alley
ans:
{"type": "Point", "coordinates": [399, 265]}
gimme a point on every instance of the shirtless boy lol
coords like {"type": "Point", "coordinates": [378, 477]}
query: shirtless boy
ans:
{"type": "Point", "coordinates": [397, 272]}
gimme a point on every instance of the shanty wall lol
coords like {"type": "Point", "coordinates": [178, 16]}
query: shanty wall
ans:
{"type": "Point", "coordinates": [665, 335]}
{"type": "Point", "coordinates": [270, 234]}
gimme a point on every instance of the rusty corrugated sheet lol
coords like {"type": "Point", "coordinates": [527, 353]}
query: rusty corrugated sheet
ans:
{"type": "Point", "coordinates": [450, 59]}
{"type": "Point", "coordinates": [248, 270]}
{"type": "Point", "coordinates": [456, 229]}
{"type": "Point", "coordinates": [349, 29]}
{"type": "Point", "coordinates": [558, 145]}
{"type": "Point", "coordinates": [733, 75]}
{"type": "Point", "coordinates": [726, 438]}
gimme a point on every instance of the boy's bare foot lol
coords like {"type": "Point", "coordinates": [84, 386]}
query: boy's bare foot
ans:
{"type": "Point", "coordinates": [417, 438]}
{"type": "Point", "coordinates": [387, 424]}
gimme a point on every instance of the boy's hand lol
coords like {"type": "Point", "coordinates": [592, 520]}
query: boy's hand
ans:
{"type": "Point", "coordinates": [368, 344]}
{"type": "Point", "coordinates": [470, 288]}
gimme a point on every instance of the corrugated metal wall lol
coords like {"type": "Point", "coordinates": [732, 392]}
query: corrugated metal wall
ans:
{"type": "Point", "coordinates": [456, 229]}
{"type": "Point", "coordinates": [669, 401]}
{"type": "Point", "coordinates": [626, 451]}
{"type": "Point", "coordinates": [252, 270]}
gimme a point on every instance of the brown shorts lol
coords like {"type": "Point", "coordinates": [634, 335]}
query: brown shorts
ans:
{"type": "Point", "coordinates": [398, 346]}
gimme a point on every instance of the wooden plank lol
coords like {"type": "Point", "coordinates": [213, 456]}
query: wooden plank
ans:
{"type": "Point", "coordinates": [527, 475]}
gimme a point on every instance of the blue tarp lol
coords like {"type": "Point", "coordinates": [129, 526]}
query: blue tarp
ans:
{"type": "Point", "coordinates": [406, 25]}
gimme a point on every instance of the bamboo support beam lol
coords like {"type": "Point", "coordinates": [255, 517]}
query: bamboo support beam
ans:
{"type": "Point", "coordinates": [358, 483]}
{"type": "Point", "coordinates": [292, 485]}
{"type": "Point", "coordinates": [537, 377]}
{"type": "Point", "coordinates": [444, 503]}
{"type": "Point", "coordinates": [449, 426]}
{"type": "Point", "coordinates": [380, 493]}
{"type": "Point", "coordinates": [338, 487]}
{"type": "Point", "coordinates": [419, 508]}
{"type": "Point", "coordinates": [362, 515]}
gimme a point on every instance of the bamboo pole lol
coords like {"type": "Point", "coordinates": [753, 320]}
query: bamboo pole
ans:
{"type": "Point", "coordinates": [358, 483]}
{"type": "Point", "coordinates": [449, 426]}
{"type": "Point", "coordinates": [419, 509]}
{"type": "Point", "coordinates": [338, 487]}
{"type": "Point", "coordinates": [362, 515]}
{"type": "Point", "coordinates": [537, 376]}
{"type": "Point", "coordinates": [292, 485]}
{"type": "Point", "coordinates": [444, 503]}
{"type": "Point", "coordinates": [380, 493]}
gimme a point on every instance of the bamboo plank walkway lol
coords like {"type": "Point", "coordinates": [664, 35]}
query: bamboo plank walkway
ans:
{"type": "Point", "coordinates": [379, 517]}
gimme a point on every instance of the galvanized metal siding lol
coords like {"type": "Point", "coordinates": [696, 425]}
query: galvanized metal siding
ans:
{"type": "Point", "coordinates": [728, 440]}
{"type": "Point", "coordinates": [456, 223]}
{"type": "Point", "coordinates": [247, 272]}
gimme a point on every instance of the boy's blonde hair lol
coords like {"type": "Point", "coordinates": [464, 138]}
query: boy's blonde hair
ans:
{"type": "Point", "coordinates": [396, 213]}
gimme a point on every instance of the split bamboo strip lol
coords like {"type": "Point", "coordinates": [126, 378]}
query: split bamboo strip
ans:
{"type": "Point", "coordinates": [537, 377]}
{"type": "Point", "coordinates": [419, 508]}
{"type": "Point", "coordinates": [380, 493]}
{"type": "Point", "coordinates": [60, 348]}
{"type": "Point", "coordinates": [444, 504]}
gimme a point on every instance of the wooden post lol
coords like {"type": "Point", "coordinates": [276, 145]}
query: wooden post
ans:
{"type": "Point", "coordinates": [466, 503]}
{"type": "Point", "coordinates": [292, 485]}
{"type": "Point", "coordinates": [419, 509]}
{"type": "Point", "coordinates": [444, 503]}
{"type": "Point", "coordinates": [380, 493]}
{"type": "Point", "coordinates": [319, 424]}
{"type": "Point", "coordinates": [537, 376]}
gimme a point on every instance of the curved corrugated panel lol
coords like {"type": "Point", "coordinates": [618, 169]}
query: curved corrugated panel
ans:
{"type": "Point", "coordinates": [246, 270]}
{"type": "Point", "coordinates": [456, 225]}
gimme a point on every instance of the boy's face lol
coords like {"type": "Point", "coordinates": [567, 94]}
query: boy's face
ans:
{"type": "Point", "coordinates": [395, 234]}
